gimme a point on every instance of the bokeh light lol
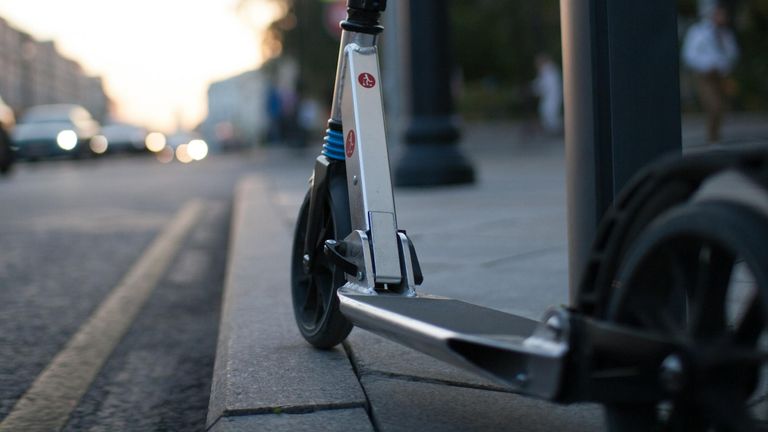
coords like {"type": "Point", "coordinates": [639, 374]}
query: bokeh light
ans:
{"type": "Point", "coordinates": [165, 155]}
{"type": "Point", "coordinates": [155, 142]}
{"type": "Point", "coordinates": [197, 149]}
{"type": "Point", "coordinates": [67, 139]}
{"type": "Point", "coordinates": [182, 154]}
{"type": "Point", "coordinates": [99, 144]}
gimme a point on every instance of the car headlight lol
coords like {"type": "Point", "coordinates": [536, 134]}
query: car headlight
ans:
{"type": "Point", "coordinates": [197, 149]}
{"type": "Point", "coordinates": [155, 142]}
{"type": "Point", "coordinates": [67, 139]}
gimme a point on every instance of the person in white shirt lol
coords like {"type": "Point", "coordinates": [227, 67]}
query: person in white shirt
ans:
{"type": "Point", "coordinates": [548, 86]}
{"type": "Point", "coordinates": [710, 51]}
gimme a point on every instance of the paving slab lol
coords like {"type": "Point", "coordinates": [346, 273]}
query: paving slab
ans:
{"type": "Point", "coordinates": [400, 405]}
{"type": "Point", "coordinates": [499, 243]}
{"type": "Point", "coordinates": [262, 363]}
{"type": "Point", "coordinates": [331, 420]}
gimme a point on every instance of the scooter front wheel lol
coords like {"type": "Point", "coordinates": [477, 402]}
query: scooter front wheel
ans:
{"type": "Point", "coordinates": [314, 278]}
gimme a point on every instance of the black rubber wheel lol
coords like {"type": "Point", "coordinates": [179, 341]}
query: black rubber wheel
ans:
{"type": "Point", "coordinates": [698, 274]}
{"type": "Point", "coordinates": [315, 303]}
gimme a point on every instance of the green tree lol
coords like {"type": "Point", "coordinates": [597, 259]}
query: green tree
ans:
{"type": "Point", "coordinates": [495, 44]}
{"type": "Point", "coordinates": [501, 39]}
{"type": "Point", "coordinates": [752, 71]}
{"type": "Point", "coordinates": [302, 35]}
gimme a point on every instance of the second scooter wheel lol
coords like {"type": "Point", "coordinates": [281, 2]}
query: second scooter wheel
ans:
{"type": "Point", "coordinates": [697, 276]}
{"type": "Point", "coordinates": [314, 285]}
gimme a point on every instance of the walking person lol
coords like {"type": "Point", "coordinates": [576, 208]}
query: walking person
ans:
{"type": "Point", "coordinates": [274, 108]}
{"type": "Point", "coordinates": [710, 51]}
{"type": "Point", "coordinates": [548, 86]}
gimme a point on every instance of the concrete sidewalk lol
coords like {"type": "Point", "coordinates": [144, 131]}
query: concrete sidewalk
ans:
{"type": "Point", "coordinates": [499, 243]}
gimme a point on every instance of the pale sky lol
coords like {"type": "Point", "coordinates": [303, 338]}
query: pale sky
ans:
{"type": "Point", "coordinates": [157, 57]}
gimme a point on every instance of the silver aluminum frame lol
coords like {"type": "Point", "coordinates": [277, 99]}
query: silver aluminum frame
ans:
{"type": "Point", "coordinates": [372, 205]}
{"type": "Point", "coordinates": [527, 363]}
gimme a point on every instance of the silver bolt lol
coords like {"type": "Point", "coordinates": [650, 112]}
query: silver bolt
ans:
{"type": "Point", "coordinates": [555, 325]}
{"type": "Point", "coordinates": [672, 373]}
{"type": "Point", "coordinates": [354, 180]}
{"type": "Point", "coordinates": [305, 262]}
{"type": "Point", "coordinates": [522, 379]}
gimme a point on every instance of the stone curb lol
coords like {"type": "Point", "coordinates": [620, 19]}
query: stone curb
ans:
{"type": "Point", "coordinates": [264, 370]}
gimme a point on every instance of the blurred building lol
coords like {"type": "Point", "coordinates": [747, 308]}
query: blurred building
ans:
{"type": "Point", "coordinates": [35, 73]}
{"type": "Point", "coordinates": [237, 110]}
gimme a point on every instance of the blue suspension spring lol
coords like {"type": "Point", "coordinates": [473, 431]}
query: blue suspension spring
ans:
{"type": "Point", "coordinates": [334, 145]}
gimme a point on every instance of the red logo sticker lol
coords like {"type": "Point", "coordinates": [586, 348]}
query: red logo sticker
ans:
{"type": "Point", "coordinates": [366, 80]}
{"type": "Point", "coordinates": [349, 147]}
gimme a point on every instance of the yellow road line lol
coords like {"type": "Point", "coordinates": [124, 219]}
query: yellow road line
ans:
{"type": "Point", "coordinates": [55, 393]}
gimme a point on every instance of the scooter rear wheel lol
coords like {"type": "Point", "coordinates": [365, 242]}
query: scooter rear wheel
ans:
{"type": "Point", "coordinates": [698, 275]}
{"type": "Point", "coordinates": [314, 283]}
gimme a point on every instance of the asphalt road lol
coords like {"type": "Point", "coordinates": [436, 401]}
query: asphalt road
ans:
{"type": "Point", "coordinates": [69, 233]}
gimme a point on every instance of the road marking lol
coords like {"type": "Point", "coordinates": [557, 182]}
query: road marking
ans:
{"type": "Point", "coordinates": [55, 393]}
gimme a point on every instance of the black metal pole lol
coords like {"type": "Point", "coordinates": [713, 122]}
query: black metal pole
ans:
{"type": "Point", "coordinates": [431, 156]}
{"type": "Point", "coordinates": [622, 104]}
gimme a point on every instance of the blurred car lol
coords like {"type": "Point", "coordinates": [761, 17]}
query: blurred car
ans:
{"type": "Point", "coordinates": [55, 130]}
{"type": "Point", "coordinates": [124, 138]}
{"type": "Point", "coordinates": [181, 137]}
{"type": "Point", "coordinates": [7, 120]}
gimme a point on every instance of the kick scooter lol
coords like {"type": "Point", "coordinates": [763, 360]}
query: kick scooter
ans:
{"type": "Point", "coordinates": [668, 326]}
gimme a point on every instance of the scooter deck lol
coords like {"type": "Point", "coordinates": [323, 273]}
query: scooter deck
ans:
{"type": "Point", "coordinates": [489, 342]}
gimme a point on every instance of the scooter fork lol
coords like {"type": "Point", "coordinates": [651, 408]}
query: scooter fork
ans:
{"type": "Point", "coordinates": [383, 257]}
